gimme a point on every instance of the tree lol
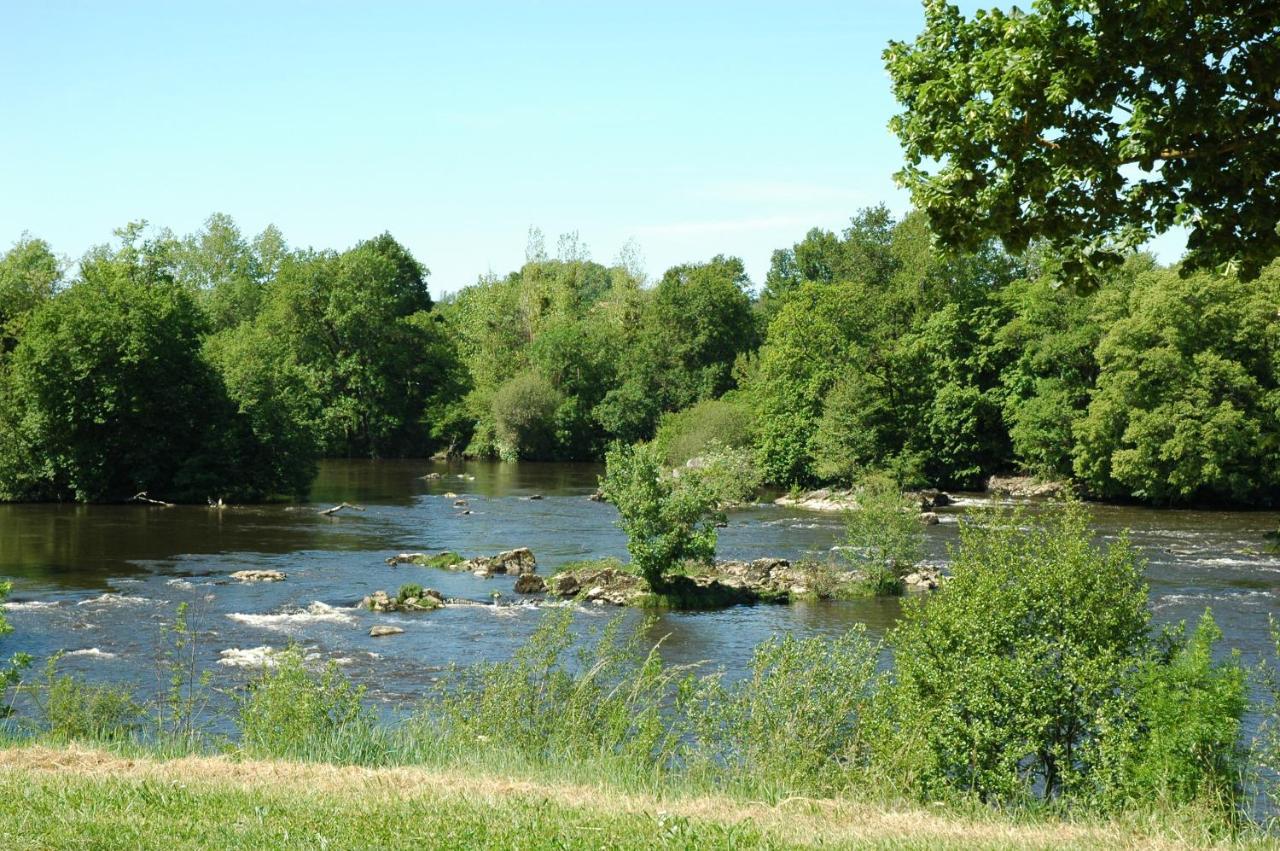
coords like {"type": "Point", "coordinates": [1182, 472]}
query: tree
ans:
{"type": "Point", "coordinates": [359, 340]}
{"type": "Point", "coordinates": [524, 412]}
{"type": "Point", "coordinates": [667, 519]}
{"type": "Point", "coordinates": [29, 276]}
{"type": "Point", "coordinates": [107, 394]}
{"type": "Point", "coordinates": [1007, 677]}
{"type": "Point", "coordinates": [1093, 125]}
{"type": "Point", "coordinates": [1187, 402]}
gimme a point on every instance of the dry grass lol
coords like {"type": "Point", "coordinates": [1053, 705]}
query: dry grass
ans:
{"type": "Point", "coordinates": [794, 822]}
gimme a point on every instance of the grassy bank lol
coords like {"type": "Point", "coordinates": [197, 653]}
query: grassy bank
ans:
{"type": "Point", "coordinates": [60, 797]}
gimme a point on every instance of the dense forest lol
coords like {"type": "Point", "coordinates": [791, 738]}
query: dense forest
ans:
{"type": "Point", "coordinates": [218, 366]}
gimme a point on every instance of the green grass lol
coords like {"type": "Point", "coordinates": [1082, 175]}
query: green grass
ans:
{"type": "Point", "coordinates": [70, 797]}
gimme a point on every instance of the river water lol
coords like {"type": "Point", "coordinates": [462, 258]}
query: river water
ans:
{"type": "Point", "coordinates": [100, 581]}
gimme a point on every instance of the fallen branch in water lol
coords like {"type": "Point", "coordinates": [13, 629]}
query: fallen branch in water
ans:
{"type": "Point", "coordinates": [142, 497]}
{"type": "Point", "coordinates": [328, 512]}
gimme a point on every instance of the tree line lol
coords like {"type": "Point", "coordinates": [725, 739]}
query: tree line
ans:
{"type": "Point", "coordinates": [219, 366]}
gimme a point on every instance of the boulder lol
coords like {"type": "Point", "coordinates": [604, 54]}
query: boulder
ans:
{"type": "Point", "coordinates": [530, 583]}
{"type": "Point", "coordinates": [1026, 487]}
{"type": "Point", "coordinates": [258, 576]}
{"type": "Point", "coordinates": [565, 584]}
{"type": "Point", "coordinates": [928, 518]}
{"type": "Point", "coordinates": [381, 630]}
{"type": "Point", "coordinates": [381, 601]}
{"type": "Point", "coordinates": [930, 498]}
{"type": "Point", "coordinates": [515, 562]}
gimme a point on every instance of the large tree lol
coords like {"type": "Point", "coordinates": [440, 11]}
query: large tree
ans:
{"type": "Point", "coordinates": [1093, 125]}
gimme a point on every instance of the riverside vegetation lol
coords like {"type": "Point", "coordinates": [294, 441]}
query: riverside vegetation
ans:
{"type": "Point", "coordinates": [1029, 691]}
{"type": "Point", "coordinates": [217, 367]}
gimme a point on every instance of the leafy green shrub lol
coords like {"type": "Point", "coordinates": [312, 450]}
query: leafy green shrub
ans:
{"type": "Point", "coordinates": [1179, 744]}
{"type": "Point", "coordinates": [290, 712]}
{"type": "Point", "coordinates": [71, 708]}
{"type": "Point", "coordinates": [524, 413]}
{"type": "Point", "coordinates": [795, 723]}
{"type": "Point", "coordinates": [667, 519]}
{"type": "Point", "coordinates": [730, 474]}
{"type": "Point", "coordinates": [550, 704]}
{"type": "Point", "coordinates": [883, 538]}
{"type": "Point", "coordinates": [11, 671]}
{"type": "Point", "coordinates": [709, 424]}
{"type": "Point", "coordinates": [1007, 677]}
{"type": "Point", "coordinates": [407, 591]}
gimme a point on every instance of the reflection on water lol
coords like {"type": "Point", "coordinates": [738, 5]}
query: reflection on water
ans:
{"type": "Point", "coordinates": [100, 580]}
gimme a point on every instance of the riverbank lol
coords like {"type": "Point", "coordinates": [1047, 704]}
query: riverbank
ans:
{"type": "Point", "coordinates": [81, 797]}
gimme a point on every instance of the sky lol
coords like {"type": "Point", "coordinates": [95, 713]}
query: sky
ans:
{"type": "Point", "coordinates": [685, 129]}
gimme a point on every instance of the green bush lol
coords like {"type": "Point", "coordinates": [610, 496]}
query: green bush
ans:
{"type": "Point", "coordinates": [1180, 741]}
{"type": "Point", "coordinates": [11, 671]}
{"type": "Point", "coordinates": [668, 520]}
{"type": "Point", "coordinates": [71, 708]}
{"type": "Point", "coordinates": [711, 423]}
{"type": "Point", "coordinates": [524, 413]}
{"type": "Point", "coordinates": [291, 712]}
{"type": "Point", "coordinates": [796, 723]}
{"type": "Point", "coordinates": [883, 537]}
{"type": "Point", "coordinates": [1006, 678]}
{"type": "Point", "coordinates": [553, 703]}
{"type": "Point", "coordinates": [729, 474]}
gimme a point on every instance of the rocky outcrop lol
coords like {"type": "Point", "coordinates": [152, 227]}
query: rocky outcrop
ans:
{"type": "Point", "coordinates": [383, 630]}
{"type": "Point", "coordinates": [923, 579]}
{"type": "Point", "coordinates": [530, 583]}
{"type": "Point", "coordinates": [724, 583]}
{"type": "Point", "coordinates": [1027, 487]}
{"type": "Point", "coordinates": [826, 499]}
{"type": "Point", "coordinates": [258, 576]}
{"type": "Point", "coordinates": [410, 599]}
{"type": "Point", "coordinates": [445, 560]}
{"type": "Point", "coordinates": [822, 499]}
{"type": "Point", "coordinates": [515, 562]}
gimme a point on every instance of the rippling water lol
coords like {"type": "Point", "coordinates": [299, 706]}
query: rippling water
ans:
{"type": "Point", "coordinates": [99, 581]}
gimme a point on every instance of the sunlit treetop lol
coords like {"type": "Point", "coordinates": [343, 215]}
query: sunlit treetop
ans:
{"type": "Point", "coordinates": [1093, 125]}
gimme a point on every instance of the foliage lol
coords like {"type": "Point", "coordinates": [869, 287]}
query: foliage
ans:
{"type": "Point", "coordinates": [74, 709]}
{"type": "Point", "coordinates": [729, 475]}
{"type": "Point", "coordinates": [290, 712]}
{"type": "Point", "coordinates": [897, 371]}
{"type": "Point", "coordinates": [602, 702]}
{"type": "Point", "coordinates": [686, 434]}
{"type": "Point", "coordinates": [1180, 742]}
{"type": "Point", "coordinates": [352, 331]}
{"type": "Point", "coordinates": [1006, 678]}
{"type": "Point", "coordinates": [524, 414]}
{"type": "Point", "coordinates": [883, 538]}
{"type": "Point", "coordinates": [1188, 393]}
{"type": "Point", "coordinates": [667, 519]}
{"type": "Point", "coordinates": [795, 722]}
{"type": "Point", "coordinates": [179, 713]}
{"type": "Point", "coordinates": [1090, 126]}
{"type": "Point", "coordinates": [10, 671]}
{"type": "Point", "coordinates": [107, 395]}
{"type": "Point", "coordinates": [29, 277]}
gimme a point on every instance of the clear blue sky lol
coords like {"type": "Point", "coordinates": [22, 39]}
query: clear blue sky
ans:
{"type": "Point", "coordinates": [692, 128]}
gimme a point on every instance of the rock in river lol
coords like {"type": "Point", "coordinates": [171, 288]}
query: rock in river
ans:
{"type": "Point", "coordinates": [530, 583]}
{"type": "Point", "coordinates": [258, 576]}
{"type": "Point", "coordinates": [381, 630]}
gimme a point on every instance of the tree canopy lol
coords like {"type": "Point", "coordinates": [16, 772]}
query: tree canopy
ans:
{"type": "Point", "coordinates": [1093, 125]}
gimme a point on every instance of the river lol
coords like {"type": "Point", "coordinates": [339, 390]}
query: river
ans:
{"type": "Point", "coordinates": [99, 581]}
